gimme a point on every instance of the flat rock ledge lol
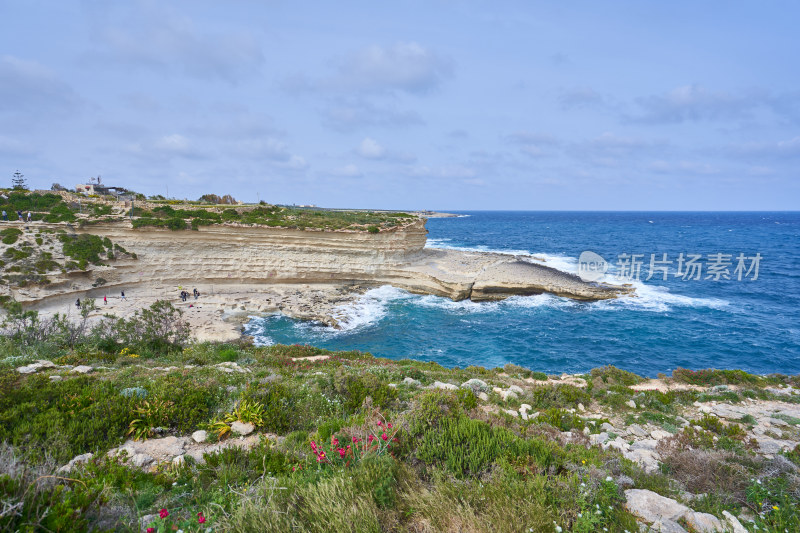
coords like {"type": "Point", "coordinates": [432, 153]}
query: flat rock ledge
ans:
{"type": "Point", "coordinates": [148, 455]}
{"type": "Point", "coordinates": [664, 514]}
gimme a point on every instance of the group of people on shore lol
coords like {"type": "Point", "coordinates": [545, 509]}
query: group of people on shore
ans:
{"type": "Point", "coordinates": [185, 295]}
{"type": "Point", "coordinates": [105, 299]}
{"type": "Point", "coordinates": [19, 216]}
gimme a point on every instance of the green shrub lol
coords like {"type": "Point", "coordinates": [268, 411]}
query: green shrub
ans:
{"type": "Point", "coordinates": [611, 375]}
{"type": "Point", "coordinates": [547, 396]}
{"type": "Point", "coordinates": [279, 415]}
{"type": "Point", "coordinates": [430, 409]}
{"type": "Point", "coordinates": [354, 389]}
{"type": "Point", "coordinates": [10, 235]}
{"type": "Point", "coordinates": [84, 248]}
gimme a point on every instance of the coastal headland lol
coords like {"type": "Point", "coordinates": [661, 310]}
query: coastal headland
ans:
{"type": "Point", "coordinates": [306, 273]}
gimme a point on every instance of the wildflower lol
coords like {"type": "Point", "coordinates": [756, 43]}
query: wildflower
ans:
{"type": "Point", "coordinates": [385, 436]}
{"type": "Point", "coordinates": [163, 513]}
{"type": "Point", "coordinates": [342, 452]}
{"type": "Point", "coordinates": [389, 426]}
{"type": "Point", "coordinates": [151, 530]}
{"type": "Point", "coordinates": [200, 518]}
{"type": "Point", "coordinates": [335, 441]}
{"type": "Point", "coordinates": [355, 439]}
{"type": "Point", "coordinates": [776, 508]}
{"type": "Point", "coordinates": [380, 424]}
{"type": "Point", "coordinates": [371, 438]}
{"type": "Point", "coordinates": [583, 461]}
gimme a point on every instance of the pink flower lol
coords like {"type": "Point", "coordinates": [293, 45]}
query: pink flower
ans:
{"type": "Point", "coordinates": [163, 513]}
{"type": "Point", "coordinates": [370, 439]}
{"type": "Point", "coordinates": [380, 423]}
{"type": "Point", "coordinates": [342, 452]}
{"type": "Point", "coordinates": [355, 439]}
{"type": "Point", "coordinates": [151, 530]}
{"type": "Point", "coordinates": [200, 518]}
{"type": "Point", "coordinates": [389, 426]}
{"type": "Point", "coordinates": [335, 441]}
{"type": "Point", "coordinates": [385, 436]}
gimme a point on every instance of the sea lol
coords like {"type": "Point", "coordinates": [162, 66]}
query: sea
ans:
{"type": "Point", "coordinates": [712, 290]}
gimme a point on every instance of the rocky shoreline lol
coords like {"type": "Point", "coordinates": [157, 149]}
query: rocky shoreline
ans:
{"type": "Point", "coordinates": [309, 275]}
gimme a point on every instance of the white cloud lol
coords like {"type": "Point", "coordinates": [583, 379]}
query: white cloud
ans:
{"type": "Point", "coordinates": [371, 149]}
{"type": "Point", "coordinates": [153, 36]}
{"type": "Point", "coordinates": [408, 67]}
{"type": "Point", "coordinates": [348, 171]}
{"type": "Point", "coordinates": [692, 103]}
{"type": "Point", "coordinates": [350, 114]}
{"type": "Point", "coordinates": [533, 144]}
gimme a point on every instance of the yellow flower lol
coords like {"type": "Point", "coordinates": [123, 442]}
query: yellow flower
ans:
{"type": "Point", "coordinates": [775, 507]}
{"type": "Point", "coordinates": [583, 461]}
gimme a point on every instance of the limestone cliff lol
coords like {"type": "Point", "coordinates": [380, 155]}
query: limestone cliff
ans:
{"type": "Point", "coordinates": [249, 256]}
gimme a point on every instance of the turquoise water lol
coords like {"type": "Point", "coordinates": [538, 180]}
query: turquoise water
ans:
{"type": "Point", "coordinates": [749, 324]}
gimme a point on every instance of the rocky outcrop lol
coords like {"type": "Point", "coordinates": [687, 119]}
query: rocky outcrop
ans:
{"type": "Point", "coordinates": [260, 257]}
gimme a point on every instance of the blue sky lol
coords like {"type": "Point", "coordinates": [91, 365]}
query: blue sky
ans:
{"type": "Point", "coordinates": [414, 105]}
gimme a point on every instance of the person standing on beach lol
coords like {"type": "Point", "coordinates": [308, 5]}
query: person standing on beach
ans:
{"type": "Point", "coordinates": [196, 293]}
{"type": "Point", "coordinates": [29, 216]}
{"type": "Point", "coordinates": [123, 295]}
{"type": "Point", "coordinates": [105, 300]}
{"type": "Point", "coordinates": [78, 303]}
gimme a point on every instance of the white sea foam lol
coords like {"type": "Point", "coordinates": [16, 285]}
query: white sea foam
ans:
{"type": "Point", "coordinates": [255, 328]}
{"type": "Point", "coordinates": [369, 309]}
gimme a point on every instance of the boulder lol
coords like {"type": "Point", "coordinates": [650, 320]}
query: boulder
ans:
{"type": "Point", "coordinates": [34, 367]}
{"type": "Point", "coordinates": [598, 438]}
{"type": "Point", "coordinates": [631, 404]}
{"type": "Point", "coordinates": [652, 507]}
{"type": "Point", "coordinates": [483, 396]}
{"type": "Point", "coordinates": [200, 436]}
{"type": "Point", "coordinates": [733, 523]}
{"type": "Point", "coordinates": [703, 522]}
{"type": "Point", "coordinates": [81, 369]}
{"type": "Point", "coordinates": [637, 430]}
{"type": "Point", "coordinates": [516, 389]}
{"type": "Point", "coordinates": [140, 460]}
{"type": "Point", "coordinates": [476, 385]}
{"type": "Point", "coordinates": [444, 386]}
{"type": "Point", "coordinates": [242, 428]}
{"type": "Point", "coordinates": [509, 395]}
{"type": "Point", "coordinates": [659, 434]}
{"type": "Point", "coordinates": [77, 460]}
{"type": "Point", "coordinates": [581, 408]}
{"type": "Point", "coordinates": [647, 459]}
{"type": "Point", "coordinates": [512, 412]}
{"type": "Point", "coordinates": [411, 382]}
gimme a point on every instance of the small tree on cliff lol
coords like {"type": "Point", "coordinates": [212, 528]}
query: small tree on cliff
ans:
{"type": "Point", "coordinates": [18, 181]}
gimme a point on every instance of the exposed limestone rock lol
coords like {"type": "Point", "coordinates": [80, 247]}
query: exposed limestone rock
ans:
{"type": "Point", "coordinates": [77, 460]}
{"type": "Point", "coordinates": [444, 386]}
{"type": "Point", "coordinates": [703, 522]}
{"type": "Point", "coordinates": [636, 429]}
{"type": "Point", "coordinates": [411, 382]}
{"type": "Point", "coordinates": [651, 507]}
{"type": "Point", "coordinates": [483, 396]}
{"type": "Point", "coordinates": [476, 385]}
{"type": "Point", "coordinates": [242, 428]}
{"type": "Point", "coordinates": [733, 523]}
{"type": "Point", "coordinates": [200, 436]}
{"type": "Point", "coordinates": [35, 367]}
{"type": "Point", "coordinates": [81, 369]}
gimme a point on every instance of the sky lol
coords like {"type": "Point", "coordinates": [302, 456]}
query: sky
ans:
{"type": "Point", "coordinates": [435, 104]}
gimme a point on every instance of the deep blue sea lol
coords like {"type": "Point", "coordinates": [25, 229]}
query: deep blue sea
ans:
{"type": "Point", "coordinates": [752, 324]}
